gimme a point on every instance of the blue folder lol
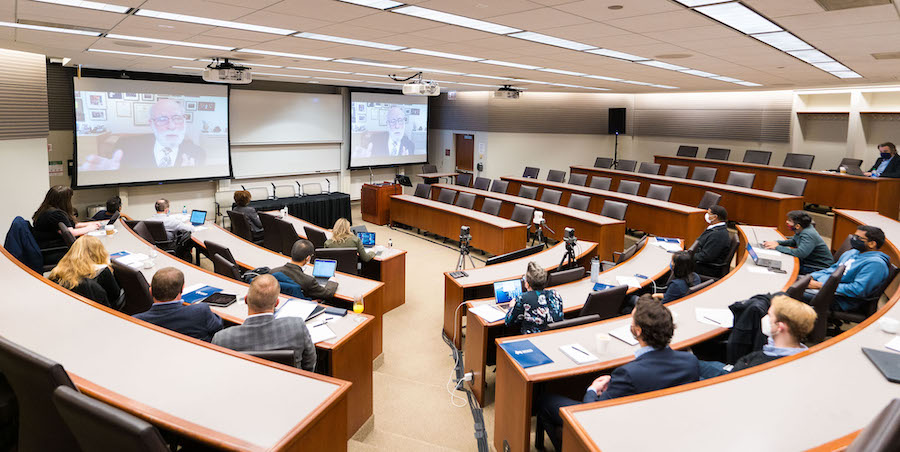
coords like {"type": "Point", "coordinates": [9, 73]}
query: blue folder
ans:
{"type": "Point", "coordinates": [600, 286]}
{"type": "Point", "coordinates": [199, 294]}
{"type": "Point", "coordinates": [526, 354]}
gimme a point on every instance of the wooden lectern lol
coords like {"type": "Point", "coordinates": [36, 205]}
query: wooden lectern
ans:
{"type": "Point", "coordinates": [375, 202]}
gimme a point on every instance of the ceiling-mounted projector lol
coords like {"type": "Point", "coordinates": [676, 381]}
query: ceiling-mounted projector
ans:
{"type": "Point", "coordinates": [227, 72]}
{"type": "Point", "coordinates": [507, 92]}
{"type": "Point", "coordinates": [422, 88]}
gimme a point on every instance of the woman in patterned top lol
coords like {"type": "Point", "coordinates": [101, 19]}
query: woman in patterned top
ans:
{"type": "Point", "coordinates": [537, 307]}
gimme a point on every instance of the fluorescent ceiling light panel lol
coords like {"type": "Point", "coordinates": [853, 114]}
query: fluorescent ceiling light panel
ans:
{"type": "Point", "coordinates": [811, 56]}
{"type": "Point", "coordinates": [600, 77]}
{"type": "Point", "coordinates": [380, 4]}
{"type": "Point", "coordinates": [692, 3]}
{"type": "Point", "coordinates": [53, 29]}
{"type": "Point", "coordinates": [619, 55]}
{"type": "Point", "coordinates": [169, 42]}
{"type": "Point", "coordinates": [783, 41]}
{"type": "Point", "coordinates": [739, 17]}
{"type": "Point", "coordinates": [281, 75]}
{"type": "Point", "coordinates": [370, 63]}
{"type": "Point", "coordinates": [437, 71]}
{"type": "Point", "coordinates": [90, 5]}
{"type": "Point", "coordinates": [747, 83]}
{"type": "Point", "coordinates": [700, 73]}
{"type": "Point", "coordinates": [118, 52]}
{"type": "Point", "coordinates": [662, 65]}
{"type": "Point", "coordinates": [559, 71]}
{"type": "Point", "coordinates": [451, 56]}
{"type": "Point", "coordinates": [478, 84]}
{"type": "Point", "coordinates": [722, 78]}
{"type": "Point", "coordinates": [453, 19]}
{"type": "Point", "coordinates": [251, 64]}
{"type": "Point", "coordinates": [550, 40]}
{"type": "Point", "coordinates": [665, 86]}
{"type": "Point", "coordinates": [832, 67]}
{"type": "Point", "coordinates": [213, 22]}
{"type": "Point", "coordinates": [353, 42]}
{"type": "Point", "coordinates": [525, 80]}
{"type": "Point", "coordinates": [317, 70]}
{"type": "Point", "coordinates": [508, 64]}
{"type": "Point", "coordinates": [632, 82]}
{"type": "Point", "coordinates": [368, 75]}
{"type": "Point", "coordinates": [846, 74]}
{"type": "Point", "coordinates": [283, 54]}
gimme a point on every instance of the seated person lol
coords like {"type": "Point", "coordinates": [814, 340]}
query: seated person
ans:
{"type": "Point", "coordinates": [786, 324]}
{"type": "Point", "coordinates": [242, 205]}
{"type": "Point", "coordinates": [113, 205]}
{"type": "Point", "coordinates": [261, 331]}
{"type": "Point", "coordinates": [172, 224]}
{"type": "Point", "coordinates": [655, 366]}
{"type": "Point", "coordinates": [806, 243]}
{"type": "Point", "coordinates": [886, 165]}
{"type": "Point", "coordinates": [301, 254]}
{"type": "Point", "coordinates": [168, 311]}
{"type": "Point", "coordinates": [713, 244]}
{"type": "Point", "coordinates": [85, 271]}
{"type": "Point", "coordinates": [343, 237]}
{"type": "Point", "coordinates": [683, 277]}
{"type": "Point", "coordinates": [865, 268]}
{"type": "Point", "coordinates": [538, 307]}
{"type": "Point", "coordinates": [57, 208]}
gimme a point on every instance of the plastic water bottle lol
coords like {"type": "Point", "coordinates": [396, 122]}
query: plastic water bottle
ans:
{"type": "Point", "coordinates": [595, 269]}
{"type": "Point", "coordinates": [184, 211]}
{"type": "Point", "coordinates": [390, 243]}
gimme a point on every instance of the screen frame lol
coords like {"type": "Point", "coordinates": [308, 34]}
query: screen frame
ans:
{"type": "Point", "coordinates": [350, 138]}
{"type": "Point", "coordinates": [144, 77]}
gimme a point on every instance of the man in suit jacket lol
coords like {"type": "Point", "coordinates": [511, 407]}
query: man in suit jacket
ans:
{"type": "Point", "coordinates": [168, 311]}
{"type": "Point", "coordinates": [393, 143]}
{"type": "Point", "coordinates": [261, 331]}
{"type": "Point", "coordinates": [301, 253]}
{"type": "Point", "coordinates": [713, 244]}
{"type": "Point", "coordinates": [886, 165]}
{"type": "Point", "coordinates": [655, 366]}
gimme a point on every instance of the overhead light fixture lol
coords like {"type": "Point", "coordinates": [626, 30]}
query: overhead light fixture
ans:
{"type": "Point", "coordinates": [783, 41]}
{"type": "Point", "coordinates": [601, 77]}
{"type": "Point", "coordinates": [845, 74]}
{"type": "Point", "coordinates": [281, 75]}
{"type": "Point", "coordinates": [664, 86]}
{"type": "Point", "coordinates": [746, 83]}
{"type": "Point", "coordinates": [478, 84]}
{"type": "Point", "coordinates": [212, 22]}
{"type": "Point", "coordinates": [169, 42]}
{"type": "Point", "coordinates": [700, 73]}
{"type": "Point", "coordinates": [339, 79]}
{"type": "Point", "coordinates": [633, 82]}
{"type": "Point", "coordinates": [70, 31]}
{"type": "Point", "coordinates": [433, 53]}
{"type": "Point", "coordinates": [812, 56]}
{"type": "Point", "coordinates": [662, 65]}
{"type": "Point", "coordinates": [437, 71]}
{"type": "Point", "coordinates": [692, 3]}
{"type": "Point", "coordinates": [553, 41]}
{"type": "Point", "coordinates": [453, 19]}
{"type": "Point", "coordinates": [380, 4]}
{"type": "Point", "coordinates": [832, 67]}
{"type": "Point", "coordinates": [525, 80]}
{"type": "Point", "coordinates": [90, 5]}
{"type": "Point", "coordinates": [739, 17]}
{"type": "Point", "coordinates": [284, 54]}
{"type": "Point", "coordinates": [615, 54]}
{"type": "Point", "coordinates": [353, 42]}
{"type": "Point", "coordinates": [508, 64]}
{"type": "Point", "coordinates": [317, 70]}
{"type": "Point", "coordinates": [119, 52]}
{"type": "Point", "coordinates": [722, 78]}
{"type": "Point", "coordinates": [369, 63]}
{"type": "Point", "coordinates": [559, 71]}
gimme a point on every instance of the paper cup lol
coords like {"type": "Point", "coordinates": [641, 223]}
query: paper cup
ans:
{"type": "Point", "coordinates": [603, 340]}
{"type": "Point", "coordinates": [889, 325]}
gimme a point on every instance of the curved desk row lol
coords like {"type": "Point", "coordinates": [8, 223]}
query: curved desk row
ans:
{"type": "Point", "coordinates": [515, 386]}
{"type": "Point", "coordinates": [796, 403]}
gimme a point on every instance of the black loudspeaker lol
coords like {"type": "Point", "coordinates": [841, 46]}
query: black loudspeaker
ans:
{"type": "Point", "coordinates": [616, 121]}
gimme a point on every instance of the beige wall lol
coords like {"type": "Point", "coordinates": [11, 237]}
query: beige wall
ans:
{"type": "Point", "coordinates": [25, 178]}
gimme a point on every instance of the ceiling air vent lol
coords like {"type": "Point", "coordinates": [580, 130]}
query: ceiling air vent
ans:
{"type": "Point", "coordinates": [835, 5]}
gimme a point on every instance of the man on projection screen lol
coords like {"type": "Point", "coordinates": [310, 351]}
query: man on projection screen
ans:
{"type": "Point", "coordinates": [165, 148]}
{"type": "Point", "coordinates": [394, 143]}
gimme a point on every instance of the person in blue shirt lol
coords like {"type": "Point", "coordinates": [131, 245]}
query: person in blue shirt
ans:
{"type": "Point", "coordinates": [538, 307]}
{"type": "Point", "coordinates": [865, 268]}
{"type": "Point", "coordinates": [683, 277]}
{"type": "Point", "coordinates": [886, 165]}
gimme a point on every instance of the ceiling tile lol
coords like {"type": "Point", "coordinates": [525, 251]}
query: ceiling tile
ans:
{"type": "Point", "coordinates": [281, 20]}
{"type": "Point", "coordinates": [391, 22]}
{"type": "Point", "coordinates": [539, 19]}
{"type": "Point", "coordinates": [661, 21]}
{"type": "Point", "coordinates": [599, 11]}
{"type": "Point", "coordinates": [838, 19]}
{"type": "Point", "coordinates": [450, 33]}
{"type": "Point", "coordinates": [480, 9]}
{"type": "Point", "coordinates": [199, 8]}
{"type": "Point", "coordinates": [45, 12]}
{"type": "Point", "coordinates": [323, 10]}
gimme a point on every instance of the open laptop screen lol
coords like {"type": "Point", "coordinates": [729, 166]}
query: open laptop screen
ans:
{"type": "Point", "coordinates": [198, 217]}
{"type": "Point", "coordinates": [752, 253]}
{"type": "Point", "coordinates": [367, 238]}
{"type": "Point", "coordinates": [324, 268]}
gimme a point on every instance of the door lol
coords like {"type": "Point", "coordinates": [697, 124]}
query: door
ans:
{"type": "Point", "coordinates": [465, 151]}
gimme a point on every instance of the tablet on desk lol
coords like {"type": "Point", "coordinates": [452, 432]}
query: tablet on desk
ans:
{"type": "Point", "coordinates": [323, 270]}
{"type": "Point", "coordinates": [367, 238]}
{"type": "Point", "coordinates": [507, 291]}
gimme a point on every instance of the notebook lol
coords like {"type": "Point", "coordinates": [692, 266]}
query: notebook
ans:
{"type": "Point", "coordinates": [526, 354]}
{"type": "Point", "coordinates": [888, 363]}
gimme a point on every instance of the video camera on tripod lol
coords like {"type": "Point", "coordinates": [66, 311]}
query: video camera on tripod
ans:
{"type": "Point", "coordinates": [465, 237]}
{"type": "Point", "coordinates": [464, 234]}
{"type": "Point", "coordinates": [568, 260]}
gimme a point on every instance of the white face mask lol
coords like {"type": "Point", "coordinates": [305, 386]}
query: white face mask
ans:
{"type": "Point", "coordinates": [707, 217]}
{"type": "Point", "coordinates": [766, 326]}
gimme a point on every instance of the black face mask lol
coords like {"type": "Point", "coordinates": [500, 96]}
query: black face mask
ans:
{"type": "Point", "coordinates": [857, 243]}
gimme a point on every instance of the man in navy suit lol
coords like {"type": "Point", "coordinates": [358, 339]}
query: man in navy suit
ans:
{"type": "Point", "coordinates": [886, 165]}
{"type": "Point", "coordinates": [168, 311]}
{"type": "Point", "coordinates": [655, 366]}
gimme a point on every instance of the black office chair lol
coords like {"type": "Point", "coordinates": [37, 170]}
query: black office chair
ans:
{"type": "Point", "coordinates": [288, 235]}
{"type": "Point", "coordinates": [660, 192]}
{"type": "Point", "coordinates": [709, 199]}
{"type": "Point", "coordinates": [687, 151]}
{"type": "Point", "coordinates": [606, 303]}
{"type": "Point", "coordinates": [98, 426]}
{"type": "Point", "coordinates": [870, 303]}
{"type": "Point", "coordinates": [522, 214]}
{"type": "Point", "coordinates": [630, 252]}
{"type": "Point", "coordinates": [527, 191]}
{"type": "Point", "coordinates": [225, 267]}
{"type": "Point", "coordinates": [214, 248]}
{"type": "Point", "coordinates": [491, 206]}
{"type": "Point", "coordinates": [821, 303]}
{"type": "Point", "coordinates": [499, 186]}
{"type": "Point", "coordinates": [347, 258]}
{"type": "Point", "coordinates": [66, 234]}
{"type": "Point", "coordinates": [447, 196]}
{"type": "Point", "coordinates": [757, 157]}
{"type": "Point", "coordinates": [614, 209]}
{"type": "Point", "coordinates": [629, 187]}
{"type": "Point", "coordinates": [465, 200]}
{"type": "Point", "coordinates": [482, 183]}
{"type": "Point", "coordinates": [569, 323]}
{"type": "Point", "coordinates": [556, 176]}
{"type": "Point", "coordinates": [718, 153]}
{"type": "Point", "coordinates": [580, 202]}
{"type": "Point", "coordinates": [740, 179]}
{"type": "Point", "coordinates": [603, 162]}
{"type": "Point", "coordinates": [423, 191]}
{"type": "Point", "coordinates": [531, 172]}
{"type": "Point", "coordinates": [678, 171]}
{"type": "Point", "coordinates": [720, 270]}
{"type": "Point", "coordinates": [789, 185]}
{"type": "Point", "coordinates": [155, 233]}
{"type": "Point", "coordinates": [578, 179]}
{"type": "Point", "coordinates": [845, 246]}
{"type": "Point", "coordinates": [271, 234]}
{"type": "Point", "coordinates": [240, 225]}
{"type": "Point", "coordinates": [697, 288]}
{"type": "Point", "coordinates": [882, 434]}
{"type": "Point", "coordinates": [626, 165]}
{"type": "Point", "coordinates": [137, 290]}
{"type": "Point", "coordinates": [565, 276]}
{"type": "Point", "coordinates": [847, 161]}
{"type": "Point", "coordinates": [285, 357]}
{"type": "Point", "coordinates": [551, 196]}
{"type": "Point", "coordinates": [33, 378]}
{"type": "Point", "coordinates": [802, 161]}
{"type": "Point", "coordinates": [464, 179]}
{"type": "Point", "coordinates": [649, 168]}
{"type": "Point", "coordinates": [799, 286]}
{"type": "Point", "coordinates": [316, 236]}
{"type": "Point", "coordinates": [601, 183]}
{"type": "Point", "coordinates": [704, 174]}
{"type": "Point", "coordinates": [359, 228]}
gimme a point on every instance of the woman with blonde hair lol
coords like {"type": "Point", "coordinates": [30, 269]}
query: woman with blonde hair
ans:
{"type": "Point", "coordinates": [85, 271]}
{"type": "Point", "coordinates": [343, 237]}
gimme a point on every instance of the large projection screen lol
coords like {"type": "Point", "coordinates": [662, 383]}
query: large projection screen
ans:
{"type": "Point", "coordinates": [387, 129]}
{"type": "Point", "coordinates": [136, 132]}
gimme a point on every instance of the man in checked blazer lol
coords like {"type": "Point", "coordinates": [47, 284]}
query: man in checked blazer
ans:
{"type": "Point", "coordinates": [261, 331]}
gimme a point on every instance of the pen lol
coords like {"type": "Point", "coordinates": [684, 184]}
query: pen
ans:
{"type": "Point", "coordinates": [712, 320]}
{"type": "Point", "coordinates": [580, 350]}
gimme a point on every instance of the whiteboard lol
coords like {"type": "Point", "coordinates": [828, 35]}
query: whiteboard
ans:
{"type": "Point", "coordinates": [269, 117]}
{"type": "Point", "coordinates": [285, 160]}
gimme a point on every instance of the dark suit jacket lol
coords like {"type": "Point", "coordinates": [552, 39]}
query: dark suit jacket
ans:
{"type": "Point", "coordinates": [657, 369]}
{"type": "Point", "coordinates": [195, 320]}
{"type": "Point", "coordinates": [892, 170]}
{"type": "Point", "coordinates": [265, 332]}
{"type": "Point", "coordinates": [712, 248]}
{"type": "Point", "coordinates": [308, 283]}
{"type": "Point", "coordinates": [137, 152]}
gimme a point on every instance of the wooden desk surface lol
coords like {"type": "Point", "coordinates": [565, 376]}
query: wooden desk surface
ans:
{"type": "Point", "coordinates": [833, 380]}
{"type": "Point", "coordinates": [175, 381]}
{"type": "Point", "coordinates": [492, 220]}
{"type": "Point", "coordinates": [548, 259]}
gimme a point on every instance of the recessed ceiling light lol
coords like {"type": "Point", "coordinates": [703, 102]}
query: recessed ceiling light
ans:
{"type": "Point", "coordinates": [600, 77]}
{"type": "Point", "coordinates": [722, 78]}
{"type": "Point", "coordinates": [665, 86]}
{"type": "Point", "coordinates": [832, 67]}
{"type": "Point", "coordinates": [70, 31]}
{"type": "Point", "coordinates": [746, 83]}
{"type": "Point", "coordinates": [169, 42]}
{"type": "Point", "coordinates": [369, 63]}
{"type": "Point", "coordinates": [846, 74]}
{"type": "Point", "coordinates": [559, 71]}
{"type": "Point", "coordinates": [487, 76]}
{"type": "Point", "coordinates": [380, 4]}
{"type": "Point", "coordinates": [452, 56]}
{"type": "Point", "coordinates": [700, 73]}
{"type": "Point", "coordinates": [317, 70]}
{"type": "Point", "coordinates": [508, 64]}
{"type": "Point", "coordinates": [212, 22]}
{"type": "Point", "coordinates": [812, 56]}
{"type": "Point", "coordinates": [90, 5]}
{"type": "Point", "coordinates": [283, 54]}
{"type": "Point", "coordinates": [739, 17]}
{"type": "Point", "coordinates": [783, 41]}
{"type": "Point", "coordinates": [119, 52]}
{"type": "Point", "coordinates": [453, 19]}
{"type": "Point", "coordinates": [619, 55]}
{"type": "Point", "coordinates": [553, 41]}
{"type": "Point", "coordinates": [662, 65]}
{"type": "Point", "coordinates": [353, 42]}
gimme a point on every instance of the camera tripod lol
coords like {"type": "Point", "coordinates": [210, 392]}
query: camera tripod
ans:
{"type": "Point", "coordinates": [539, 233]}
{"type": "Point", "coordinates": [568, 260]}
{"type": "Point", "coordinates": [464, 253]}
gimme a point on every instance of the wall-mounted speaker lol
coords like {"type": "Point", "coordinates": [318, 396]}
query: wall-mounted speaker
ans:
{"type": "Point", "coordinates": [616, 121]}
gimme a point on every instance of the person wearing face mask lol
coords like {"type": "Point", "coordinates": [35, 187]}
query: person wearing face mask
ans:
{"type": "Point", "coordinates": [886, 165]}
{"type": "Point", "coordinates": [787, 322]}
{"type": "Point", "coordinates": [655, 366]}
{"type": "Point", "coordinates": [538, 307]}
{"type": "Point", "coordinates": [683, 277]}
{"type": "Point", "coordinates": [806, 243]}
{"type": "Point", "coordinates": [865, 268]}
{"type": "Point", "coordinates": [713, 244]}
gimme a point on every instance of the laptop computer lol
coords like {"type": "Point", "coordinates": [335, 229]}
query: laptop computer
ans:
{"type": "Point", "coordinates": [323, 270]}
{"type": "Point", "coordinates": [506, 291]}
{"type": "Point", "coordinates": [198, 217]}
{"type": "Point", "coordinates": [854, 170]}
{"type": "Point", "coordinates": [367, 238]}
{"type": "Point", "coordinates": [768, 263]}
{"type": "Point", "coordinates": [887, 362]}
{"type": "Point", "coordinates": [114, 218]}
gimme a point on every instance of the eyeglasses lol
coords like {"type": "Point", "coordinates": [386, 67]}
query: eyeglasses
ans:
{"type": "Point", "coordinates": [164, 120]}
{"type": "Point", "coordinates": [396, 121]}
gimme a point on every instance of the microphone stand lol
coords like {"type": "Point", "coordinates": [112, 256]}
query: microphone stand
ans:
{"type": "Point", "coordinates": [371, 176]}
{"type": "Point", "coordinates": [616, 152]}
